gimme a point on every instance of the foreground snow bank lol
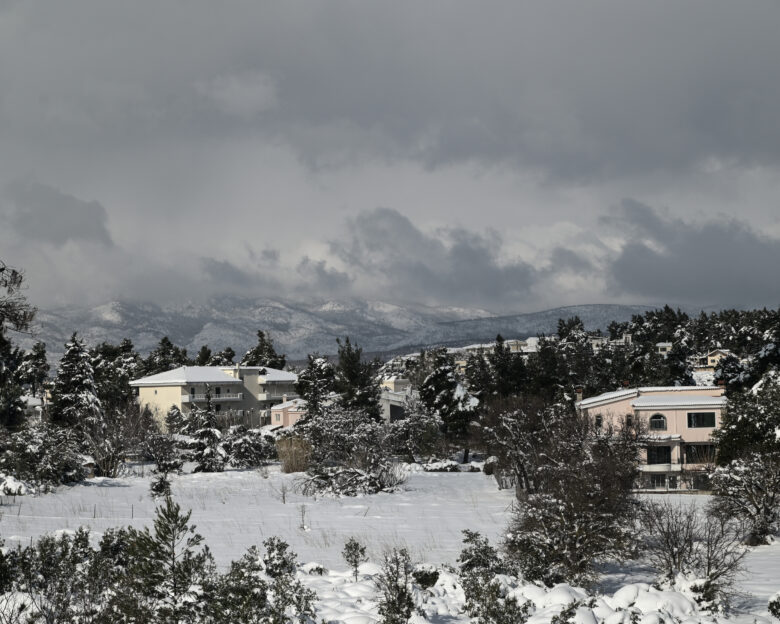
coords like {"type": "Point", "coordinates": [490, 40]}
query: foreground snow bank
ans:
{"type": "Point", "coordinates": [342, 600]}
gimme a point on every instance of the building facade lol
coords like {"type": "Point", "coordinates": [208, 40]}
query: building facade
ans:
{"type": "Point", "coordinates": [248, 392]}
{"type": "Point", "coordinates": [679, 421]}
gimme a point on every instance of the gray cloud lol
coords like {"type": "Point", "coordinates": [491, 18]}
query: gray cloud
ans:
{"type": "Point", "coordinates": [43, 213]}
{"type": "Point", "coordinates": [319, 278]}
{"type": "Point", "coordinates": [719, 261]}
{"type": "Point", "coordinates": [452, 266]}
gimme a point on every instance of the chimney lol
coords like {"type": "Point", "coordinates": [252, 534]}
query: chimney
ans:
{"type": "Point", "coordinates": [625, 383]}
{"type": "Point", "coordinates": [578, 393]}
{"type": "Point", "coordinates": [284, 398]}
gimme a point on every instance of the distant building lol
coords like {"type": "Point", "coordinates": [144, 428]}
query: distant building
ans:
{"type": "Point", "coordinates": [663, 348]}
{"type": "Point", "coordinates": [288, 413]}
{"type": "Point", "coordinates": [679, 420]}
{"type": "Point", "coordinates": [247, 391]}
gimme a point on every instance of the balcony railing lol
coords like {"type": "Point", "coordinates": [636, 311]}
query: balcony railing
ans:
{"type": "Point", "coordinates": [660, 467]}
{"type": "Point", "coordinates": [215, 398]}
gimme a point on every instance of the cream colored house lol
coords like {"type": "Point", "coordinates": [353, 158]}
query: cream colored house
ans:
{"type": "Point", "coordinates": [679, 421]}
{"type": "Point", "coordinates": [247, 391]}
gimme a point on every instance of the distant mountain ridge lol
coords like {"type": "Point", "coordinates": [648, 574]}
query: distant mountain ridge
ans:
{"type": "Point", "coordinates": [300, 328]}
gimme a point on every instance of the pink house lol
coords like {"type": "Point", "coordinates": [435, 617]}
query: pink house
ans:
{"type": "Point", "coordinates": [288, 413]}
{"type": "Point", "coordinates": [679, 421]}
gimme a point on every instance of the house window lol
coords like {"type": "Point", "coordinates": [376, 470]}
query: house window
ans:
{"type": "Point", "coordinates": [155, 391]}
{"type": "Point", "coordinates": [699, 454]}
{"type": "Point", "coordinates": [218, 390]}
{"type": "Point", "coordinates": [629, 420]}
{"type": "Point", "coordinates": [658, 422]}
{"type": "Point", "coordinates": [219, 408]}
{"type": "Point", "coordinates": [659, 454]}
{"type": "Point", "coordinates": [192, 390]}
{"type": "Point", "coordinates": [599, 421]}
{"type": "Point", "coordinates": [657, 481]}
{"type": "Point", "coordinates": [701, 419]}
{"type": "Point", "coordinates": [278, 417]}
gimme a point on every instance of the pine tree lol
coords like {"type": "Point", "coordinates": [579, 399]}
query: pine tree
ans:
{"type": "Point", "coordinates": [11, 404]}
{"type": "Point", "coordinates": [356, 381]}
{"type": "Point", "coordinates": [204, 356]}
{"type": "Point", "coordinates": [75, 399]}
{"type": "Point", "coordinates": [264, 354]}
{"type": "Point", "coordinates": [34, 369]}
{"type": "Point", "coordinates": [170, 572]}
{"type": "Point", "coordinates": [315, 383]}
{"type": "Point", "coordinates": [508, 369]}
{"type": "Point", "coordinates": [208, 454]}
{"type": "Point", "coordinates": [445, 396]}
{"type": "Point", "coordinates": [222, 358]}
{"type": "Point", "coordinates": [165, 357]}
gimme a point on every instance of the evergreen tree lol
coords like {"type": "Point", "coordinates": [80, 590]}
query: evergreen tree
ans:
{"type": "Point", "coordinates": [356, 381]}
{"type": "Point", "coordinates": [208, 453]}
{"type": "Point", "coordinates": [11, 403]}
{"type": "Point", "coordinates": [75, 399]}
{"type": "Point", "coordinates": [222, 358]}
{"type": "Point", "coordinates": [264, 354]}
{"type": "Point", "coordinates": [315, 383]}
{"type": "Point", "coordinates": [166, 356]}
{"type": "Point", "coordinates": [170, 573]}
{"type": "Point", "coordinates": [15, 312]}
{"type": "Point", "coordinates": [114, 367]}
{"type": "Point", "coordinates": [443, 395]}
{"type": "Point", "coordinates": [479, 376]}
{"type": "Point", "coordinates": [508, 369]}
{"type": "Point", "coordinates": [204, 356]}
{"type": "Point", "coordinates": [34, 369]}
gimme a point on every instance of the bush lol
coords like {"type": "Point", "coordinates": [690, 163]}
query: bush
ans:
{"type": "Point", "coordinates": [354, 554]}
{"type": "Point", "coordinates": [294, 453]}
{"type": "Point", "coordinates": [774, 605]}
{"type": "Point", "coordinates": [394, 583]}
{"type": "Point", "coordinates": [425, 577]}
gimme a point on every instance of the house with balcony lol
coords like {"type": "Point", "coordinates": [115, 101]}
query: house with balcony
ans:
{"type": "Point", "coordinates": [679, 422]}
{"type": "Point", "coordinates": [248, 392]}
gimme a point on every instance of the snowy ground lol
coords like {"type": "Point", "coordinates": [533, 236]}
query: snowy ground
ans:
{"type": "Point", "coordinates": [236, 509]}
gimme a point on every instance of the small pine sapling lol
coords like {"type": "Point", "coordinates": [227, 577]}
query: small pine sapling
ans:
{"type": "Point", "coordinates": [354, 554]}
{"type": "Point", "coordinates": [394, 583]}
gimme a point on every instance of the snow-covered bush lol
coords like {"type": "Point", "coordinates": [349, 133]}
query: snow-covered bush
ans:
{"type": "Point", "coordinates": [395, 585]}
{"type": "Point", "coordinates": [774, 605]}
{"type": "Point", "coordinates": [248, 448]}
{"type": "Point", "coordinates": [43, 455]}
{"type": "Point", "coordinates": [354, 554]}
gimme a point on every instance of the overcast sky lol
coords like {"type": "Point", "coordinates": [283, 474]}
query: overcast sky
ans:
{"type": "Point", "coordinates": [510, 156]}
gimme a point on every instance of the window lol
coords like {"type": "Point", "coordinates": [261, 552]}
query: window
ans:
{"type": "Point", "coordinates": [629, 420]}
{"type": "Point", "coordinates": [599, 421]}
{"type": "Point", "coordinates": [192, 390]}
{"type": "Point", "coordinates": [659, 454]}
{"type": "Point", "coordinates": [657, 481]}
{"type": "Point", "coordinates": [218, 409]}
{"type": "Point", "coordinates": [658, 422]}
{"type": "Point", "coordinates": [699, 454]}
{"type": "Point", "coordinates": [155, 391]}
{"type": "Point", "coordinates": [278, 417]}
{"type": "Point", "coordinates": [218, 390]}
{"type": "Point", "coordinates": [701, 419]}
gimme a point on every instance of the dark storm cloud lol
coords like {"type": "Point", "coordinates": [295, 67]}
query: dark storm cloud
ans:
{"type": "Point", "coordinates": [224, 276]}
{"type": "Point", "coordinates": [571, 89]}
{"type": "Point", "coordinates": [43, 213]}
{"type": "Point", "coordinates": [451, 266]}
{"type": "Point", "coordinates": [719, 261]}
{"type": "Point", "coordinates": [321, 279]}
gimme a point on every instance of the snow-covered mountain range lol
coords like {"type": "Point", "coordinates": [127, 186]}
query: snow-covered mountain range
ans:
{"type": "Point", "coordinates": [301, 328]}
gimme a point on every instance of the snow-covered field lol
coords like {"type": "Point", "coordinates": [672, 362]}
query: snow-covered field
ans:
{"type": "Point", "coordinates": [236, 509]}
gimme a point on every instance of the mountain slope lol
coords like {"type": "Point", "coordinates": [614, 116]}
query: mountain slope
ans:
{"type": "Point", "coordinates": [298, 329]}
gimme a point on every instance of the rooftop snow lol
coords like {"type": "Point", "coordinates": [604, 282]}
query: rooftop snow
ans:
{"type": "Point", "coordinates": [187, 374]}
{"type": "Point", "coordinates": [683, 401]}
{"type": "Point", "coordinates": [622, 394]}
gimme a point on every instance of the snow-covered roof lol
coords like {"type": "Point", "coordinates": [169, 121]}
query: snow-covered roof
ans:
{"type": "Point", "coordinates": [186, 375]}
{"type": "Point", "coordinates": [269, 374]}
{"type": "Point", "coordinates": [667, 402]}
{"type": "Point", "coordinates": [291, 404]}
{"type": "Point", "coordinates": [618, 395]}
